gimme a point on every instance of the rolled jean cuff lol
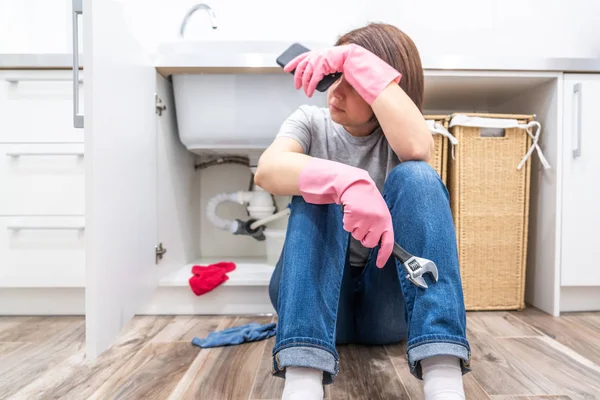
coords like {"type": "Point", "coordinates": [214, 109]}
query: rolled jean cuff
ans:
{"type": "Point", "coordinates": [306, 356]}
{"type": "Point", "coordinates": [418, 352]}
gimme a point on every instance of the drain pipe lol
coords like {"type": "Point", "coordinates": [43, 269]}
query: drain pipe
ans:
{"type": "Point", "coordinates": [260, 206]}
{"type": "Point", "coordinates": [211, 211]}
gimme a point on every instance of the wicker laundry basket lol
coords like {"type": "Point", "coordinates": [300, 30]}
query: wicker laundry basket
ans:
{"type": "Point", "coordinates": [489, 188]}
{"type": "Point", "coordinates": [438, 125]}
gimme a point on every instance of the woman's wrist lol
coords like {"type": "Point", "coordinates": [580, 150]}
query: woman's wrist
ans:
{"type": "Point", "coordinates": [368, 74]}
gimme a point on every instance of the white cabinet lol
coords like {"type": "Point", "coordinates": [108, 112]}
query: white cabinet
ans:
{"type": "Point", "coordinates": [581, 171]}
{"type": "Point", "coordinates": [42, 195]}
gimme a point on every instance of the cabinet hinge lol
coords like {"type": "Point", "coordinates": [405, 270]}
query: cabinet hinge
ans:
{"type": "Point", "coordinates": [159, 252]}
{"type": "Point", "coordinates": [158, 103]}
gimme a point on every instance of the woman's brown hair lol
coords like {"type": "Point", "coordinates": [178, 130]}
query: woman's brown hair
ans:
{"type": "Point", "coordinates": [397, 49]}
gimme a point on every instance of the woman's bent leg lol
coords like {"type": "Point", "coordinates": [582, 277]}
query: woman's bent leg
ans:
{"type": "Point", "coordinates": [305, 289]}
{"type": "Point", "coordinates": [423, 225]}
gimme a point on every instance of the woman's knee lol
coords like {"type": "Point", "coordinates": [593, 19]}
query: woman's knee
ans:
{"type": "Point", "coordinates": [310, 226]}
{"type": "Point", "coordinates": [415, 177]}
{"type": "Point", "coordinates": [300, 208]}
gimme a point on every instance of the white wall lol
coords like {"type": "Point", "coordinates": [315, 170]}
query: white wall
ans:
{"type": "Point", "coordinates": [557, 28]}
{"type": "Point", "coordinates": [35, 26]}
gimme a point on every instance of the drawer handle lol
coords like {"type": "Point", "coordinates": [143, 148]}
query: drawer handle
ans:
{"type": "Point", "coordinates": [45, 228]}
{"type": "Point", "coordinates": [17, 79]}
{"type": "Point", "coordinates": [26, 154]}
{"type": "Point", "coordinates": [77, 117]}
{"type": "Point", "coordinates": [577, 93]}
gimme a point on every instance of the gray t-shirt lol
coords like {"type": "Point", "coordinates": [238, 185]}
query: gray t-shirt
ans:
{"type": "Point", "coordinates": [321, 137]}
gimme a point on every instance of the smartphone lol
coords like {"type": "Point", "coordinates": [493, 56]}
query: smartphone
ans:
{"type": "Point", "coordinates": [295, 50]}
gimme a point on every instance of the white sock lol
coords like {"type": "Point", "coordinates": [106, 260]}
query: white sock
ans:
{"type": "Point", "coordinates": [442, 378]}
{"type": "Point", "coordinates": [303, 384]}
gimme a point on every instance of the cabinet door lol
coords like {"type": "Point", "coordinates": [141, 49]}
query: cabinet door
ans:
{"type": "Point", "coordinates": [581, 169]}
{"type": "Point", "coordinates": [120, 176]}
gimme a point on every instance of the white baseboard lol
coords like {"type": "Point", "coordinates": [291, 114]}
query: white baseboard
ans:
{"type": "Point", "coordinates": [579, 298]}
{"type": "Point", "coordinates": [224, 300]}
{"type": "Point", "coordinates": [179, 300]}
{"type": "Point", "coordinates": [42, 301]}
{"type": "Point", "coordinates": [167, 300]}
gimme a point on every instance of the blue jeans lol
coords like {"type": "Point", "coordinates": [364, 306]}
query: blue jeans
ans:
{"type": "Point", "coordinates": [322, 301]}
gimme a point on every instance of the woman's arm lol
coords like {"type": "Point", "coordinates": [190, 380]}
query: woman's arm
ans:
{"type": "Point", "coordinates": [403, 124]}
{"type": "Point", "coordinates": [279, 167]}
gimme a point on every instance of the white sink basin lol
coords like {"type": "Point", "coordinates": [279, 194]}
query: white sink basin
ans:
{"type": "Point", "coordinates": [230, 95]}
{"type": "Point", "coordinates": [223, 53]}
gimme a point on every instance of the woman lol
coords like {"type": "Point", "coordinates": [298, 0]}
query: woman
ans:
{"type": "Point", "coordinates": [359, 178]}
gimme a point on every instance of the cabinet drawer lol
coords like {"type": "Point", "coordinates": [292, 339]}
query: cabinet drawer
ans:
{"type": "Point", "coordinates": [42, 179]}
{"type": "Point", "coordinates": [42, 252]}
{"type": "Point", "coordinates": [37, 106]}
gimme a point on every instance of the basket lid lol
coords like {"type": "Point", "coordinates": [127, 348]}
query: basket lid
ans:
{"type": "Point", "coordinates": [522, 118]}
{"type": "Point", "coordinates": [438, 117]}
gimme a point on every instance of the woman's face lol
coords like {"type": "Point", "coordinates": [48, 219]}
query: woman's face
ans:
{"type": "Point", "coordinates": [349, 109]}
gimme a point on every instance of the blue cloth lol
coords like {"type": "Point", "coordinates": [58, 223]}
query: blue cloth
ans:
{"type": "Point", "coordinates": [322, 301]}
{"type": "Point", "coordinates": [251, 332]}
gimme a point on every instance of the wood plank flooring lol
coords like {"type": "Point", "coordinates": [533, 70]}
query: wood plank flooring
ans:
{"type": "Point", "coordinates": [526, 355]}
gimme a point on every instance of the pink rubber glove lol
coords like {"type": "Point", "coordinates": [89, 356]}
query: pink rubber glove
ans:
{"type": "Point", "coordinates": [367, 73]}
{"type": "Point", "coordinates": [366, 215]}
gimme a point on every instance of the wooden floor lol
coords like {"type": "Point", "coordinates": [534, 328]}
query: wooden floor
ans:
{"type": "Point", "coordinates": [516, 355]}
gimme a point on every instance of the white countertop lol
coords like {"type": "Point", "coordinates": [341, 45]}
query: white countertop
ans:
{"type": "Point", "coordinates": [503, 63]}
{"type": "Point", "coordinates": [65, 61]}
{"type": "Point", "coordinates": [37, 61]}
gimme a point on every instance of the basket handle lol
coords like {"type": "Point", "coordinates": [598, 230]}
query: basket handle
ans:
{"type": "Point", "coordinates": [534, 144]}
{"type": "Point", "coordinates": [438, 129]}
{"type": "Point", "coordinates": [464, 120]}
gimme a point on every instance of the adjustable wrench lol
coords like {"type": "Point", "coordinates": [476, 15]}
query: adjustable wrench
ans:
{"type": "Point", "coordinates": [415, 266]}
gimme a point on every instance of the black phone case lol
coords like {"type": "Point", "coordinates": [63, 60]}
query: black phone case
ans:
{"type": "Point", "coordinates": [295, 50]}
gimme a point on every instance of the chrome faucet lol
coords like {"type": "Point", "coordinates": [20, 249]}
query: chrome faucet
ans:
{"type": "Point", "coordinates": [201, 6]}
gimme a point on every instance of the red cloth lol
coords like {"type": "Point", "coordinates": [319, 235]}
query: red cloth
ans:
{"type": "Point", "coordinates": [208, 277]}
